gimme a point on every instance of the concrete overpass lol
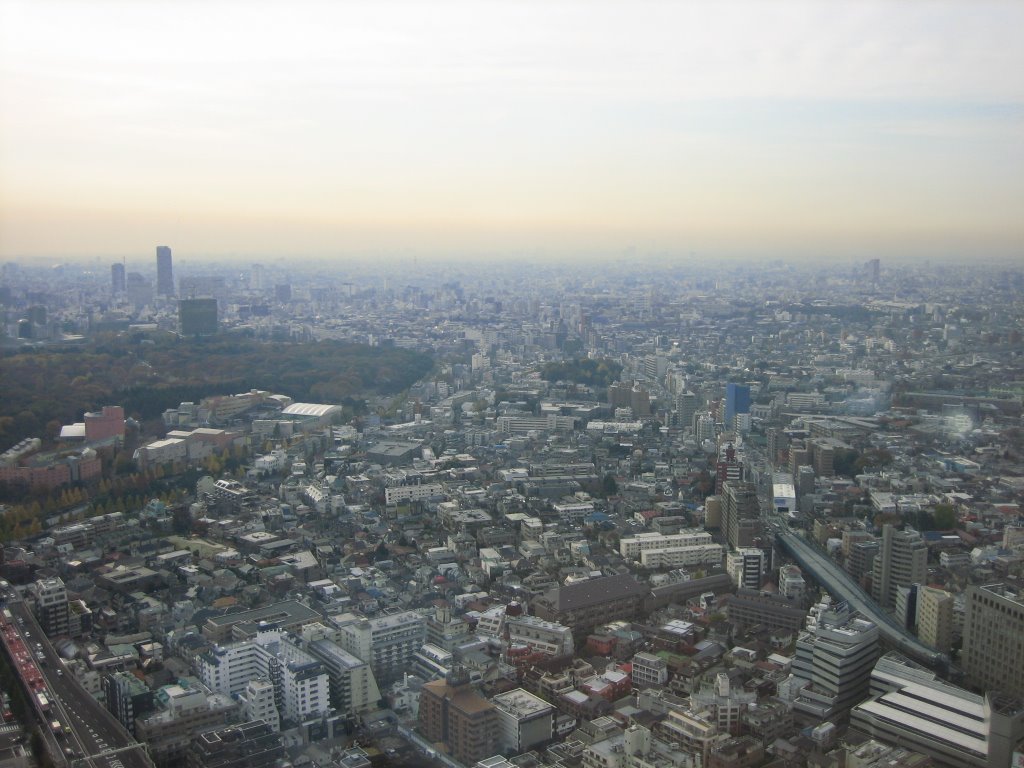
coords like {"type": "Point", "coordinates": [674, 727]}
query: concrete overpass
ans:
{"type": "Point", "coordinates": [839, 584]}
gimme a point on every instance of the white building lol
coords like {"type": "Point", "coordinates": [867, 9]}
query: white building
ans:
{"type": "Point", "coordinates": [631, 547]}
{"type": "Point", "coordinates": [649, 670]}
{"type": "Point", "coordinates": [386, 643]}
{"type": "Point", "coordinates": [524, 721]}
{"type": "Point", "coordinates": [258, 703]}
{"type": "Point", "coordinates": [746, 567]}
{"type": "Point", "coordinates": [543, 636]}
{"type": "Point", "coordinates": [300, 682]}
{"type": "Point", "coordinates": [683, 557]}
{"type": "Point", "coordinates": [791, 582]}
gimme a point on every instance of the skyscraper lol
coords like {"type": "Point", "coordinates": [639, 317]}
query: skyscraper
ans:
{"type": "Point", "coordinates": [737, 400]}
{"type": "Point", "coordinates": [902, 560]}
{"type": "Point", "coordinates": [197, 317]}
{"type": "Point", "coordinates": [117, 284]}
{"type": "Point", "coordinates": [741, 511]}
{"type": "Point", "coordinates": [164, 271]}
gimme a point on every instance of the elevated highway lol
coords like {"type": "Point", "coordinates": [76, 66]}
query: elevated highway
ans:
{"type": "Point", "coordinates": [839, 584]}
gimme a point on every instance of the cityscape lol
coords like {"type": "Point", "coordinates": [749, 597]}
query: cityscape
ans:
{"type": "Point", "coordinates": [646, 515]}
{"type": "Point", "coordinates": [534, 384]}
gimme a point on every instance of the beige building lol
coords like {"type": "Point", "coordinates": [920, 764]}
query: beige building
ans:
{"type": "Point", "coordinates": [935, 618]}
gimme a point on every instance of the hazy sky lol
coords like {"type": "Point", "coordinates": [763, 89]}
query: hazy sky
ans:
{"type": "Point", "coordinates": [248, 128]}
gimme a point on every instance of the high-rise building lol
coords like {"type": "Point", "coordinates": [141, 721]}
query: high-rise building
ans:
{"type": "Point", "coordinates": [197, 317]}
{"type": "Point", "coordinates": [902, 560]}
{"type": "Point", "coordinates": [737, 400]}
{"type": "Point", "coordinates": [51, 598]}
{"type": "Point", "coordinates": [127, 697]}
{"type": "Point", "coordinates": [834, 655]}
{"type": "Point", "coordinates": [164, 271]}
{"type": "Point", "coordinates": [386, 643]}
{"type": "Point", "coordinates": [740, 514]}
{"type": "Point", "coordinates": [745, 566]}
{"type": "Point", "coordinates": [117, 281]}
{"type": "Point", "coordinates": [138, 290]}
{"type": "Point", "coordinates": [452, 713]}
{"type": "Point", "coordinates": [994, 638]}
{"type": "Point", "coordinates": [935, 618]}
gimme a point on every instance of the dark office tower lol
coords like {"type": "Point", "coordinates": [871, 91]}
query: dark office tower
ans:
{"type": "Point", "coordinates": [741, 511]}
{"type": "Point", "coordinates": [164, 271]}
{"type": "Point", "coordinates": [197, 317]}
{"type": "Point", "coordinates": [872, 269]}
{"type": "Point", "coordinates": [117, 284]}
{"type": "Point", "coordinates": [737, 400]}
{"type": "Point", "coordinates": [283, 293]}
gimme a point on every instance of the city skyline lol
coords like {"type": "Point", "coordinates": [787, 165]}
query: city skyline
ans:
{"type": "Point", "coordinates": [784, 130]}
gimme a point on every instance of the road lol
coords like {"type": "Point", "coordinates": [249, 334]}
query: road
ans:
{"type": "Point", "coordinates": [842, 587]}
{"type": "Point", "coordinates": [89, 730]}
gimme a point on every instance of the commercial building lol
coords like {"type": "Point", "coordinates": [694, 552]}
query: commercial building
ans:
{"type": "Point", "coordinates": [51, 602]}
{"type": "Point", "coordinates": [288, 615]}
{"type": "Point", "coordinates": [902, 560]}
{"type": "Point", "coordinates": [834, 657]}
{"type": "Point", "coordinates": [911, 707]}
{"type": "Point", "coordinates": [993, 646]}
{"type": "Point", "coordinates": [524, 721]}
{"type": "Point", "coordinates": [935, 618]}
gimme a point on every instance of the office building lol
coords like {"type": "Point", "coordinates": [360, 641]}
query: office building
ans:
{"type": "Point", "coordinates": [387, 643]}
{"type": "Point", "coordinates": [164, 271]}
{"type": "Point", "coordinates": [138, 290]}
{"type": "Point", "coordinates": [750, 608]}
{"type": "Point", "coordinates": [740, 514]}
{"type": "Point", "coordinates": [993, 648]}
{"type": "Point", "coordinates": [834, 657]}
{"type": "Point", "coordinates": [935, 618]}
{"type": "Point", "coordinates": [912, 707]}
{"type": "Point", "coordinates": [117, 280]}
{"type": "Point", "coordinates": [197, 317]}
{"type": "Point", "coordinates": [524, 721]}
{"type": "Point", "coordinates": [252, 744]}
{"type": "Point", "coordinates": [902, 560]}
{"type": "Point", "coordinates": [127, 698]}
{"type": "Point", "coordinates": [51, 601]}
{"type": "Point", "coordinates": [453, 714]}
{"type": "Point", "coordinates": [737, 400]}
{"type": "Point", "coordinates": [353, 687]}
{"type": "Point", "coordinates": [745, 567]}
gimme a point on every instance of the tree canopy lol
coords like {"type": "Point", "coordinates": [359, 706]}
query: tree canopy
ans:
{"type": "Point", "coordinates": [40, 386]}
{"type": "Point", "coordinates": [584, 370]}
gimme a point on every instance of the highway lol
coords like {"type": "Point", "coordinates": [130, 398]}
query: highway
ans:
{"type": "Point", "coordinates": [91, 736]}
{"type": "Point", "coordinates": [839, 584]}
